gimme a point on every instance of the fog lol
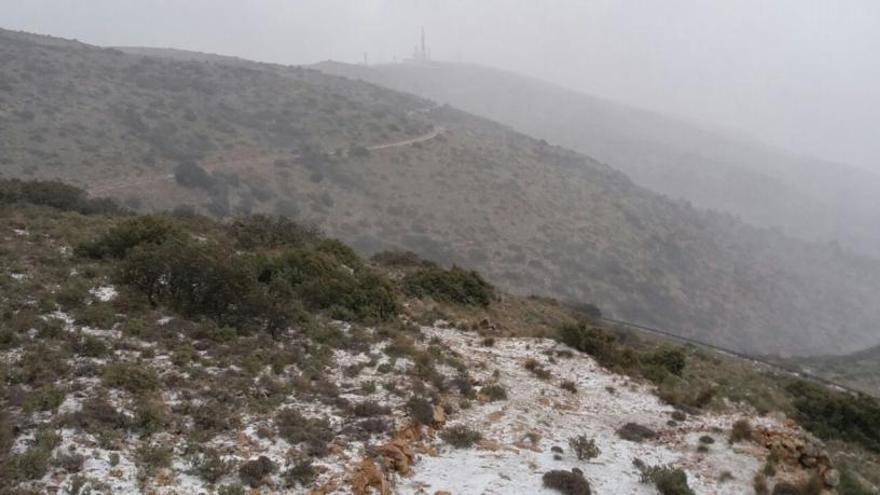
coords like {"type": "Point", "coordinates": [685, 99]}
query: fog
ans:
{"type": "Point", "coordinates": [795, 73]}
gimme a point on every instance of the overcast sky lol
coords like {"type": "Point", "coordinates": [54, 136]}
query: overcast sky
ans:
{"type": "Point", "coordinates": [803, 74]}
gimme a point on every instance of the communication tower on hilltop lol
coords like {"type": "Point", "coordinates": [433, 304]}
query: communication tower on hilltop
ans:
{"type": "Point", "coordinates": [420, 53]}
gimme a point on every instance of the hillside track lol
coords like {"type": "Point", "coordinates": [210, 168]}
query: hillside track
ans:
{"type": "Point", "coordinates": [238, 164]}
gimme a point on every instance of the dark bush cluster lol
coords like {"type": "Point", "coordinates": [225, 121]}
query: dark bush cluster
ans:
{"type": "Point", "coordinates": [668, 480]}
{"type": "Point", "coordinates": [460, 436]}
{"type": "Point", "coordinates": [837, 415]}
{"type": "Point", "coordinates": [455, 285]}
{"type": "Point", "coordinates": [610, 353]}
{"type": "Point", "coordinates": [260, 287]}
{"type": "Point", "coordinates": [55, 195]}
{"type": "Point", "coordinates": [567, 482]}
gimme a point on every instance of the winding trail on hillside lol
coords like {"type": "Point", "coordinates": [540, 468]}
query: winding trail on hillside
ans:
{"type": "Point", "coordinates": [229, 165]}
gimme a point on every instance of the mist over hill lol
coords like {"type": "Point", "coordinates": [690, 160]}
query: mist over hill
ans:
{"type": "Point", "coordinates": [386, 170]}
{"type": "Point", "coordinates": [711, 167]}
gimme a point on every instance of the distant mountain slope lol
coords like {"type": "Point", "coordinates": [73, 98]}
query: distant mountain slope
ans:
{"type": "Point", "coordinates": [806, 197]}
{"type": "Point", "coordinates": [382, 170]}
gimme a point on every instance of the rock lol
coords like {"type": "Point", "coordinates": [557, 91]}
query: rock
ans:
{"type": "Point", "coordinates": [368, 478]}
{"type": "Point", "coordinates": [439, 418]}
{"type": "Point", "coordinates": [831, 477]}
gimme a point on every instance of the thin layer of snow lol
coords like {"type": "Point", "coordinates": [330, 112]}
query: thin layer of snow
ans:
{"type": "Point", "coordinates": [104, 294]}
{"type": "Point", "coordinates": [509, 463]}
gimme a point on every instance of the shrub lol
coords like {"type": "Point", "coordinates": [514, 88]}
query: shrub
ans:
{"type": "Point", "coordinates": [707, 440]}
{"type": "Point", "coordinates": [45, 398]}
{"type": "Point", "coordinates": [267, 232]}
{"type": "Point", "coordinates": [296, 429]}
{"type": "Point", "coordinates": [153, 456]}
{"type": "Point", "coordinates": [420, 410]}
{"type": "Point", "coordinates": [759, 484]}
{"type": "Point", "coordinates": [837, 415]}
{"type": "Point", "coordinates": [494, 392]}
{"type": "Point", "coordinates": [254, 472]}
{"type": "Point", "coordinates": [569, 386]}
{"type": "Point", "coordinates": [601, 345]}
{"type": "Point", "coordinates": [635, 432]}
{"type": "Point", "coordinates": [742, 430]}
{"type": "Point", "coordinates": [53, 194]}
{"type": "Point", "coordinates": [668, 480]}
{"type": "Point", "coordinates": [671, 360]}
{"type": "Point", "coordinates": [583, 447]}
{"type": "Point", "coordinates": [454, 285]}
{"type": "Point", "coordinates": [460, 436]}
{"type": "Point", "coordinates": [191, 175]}
{"type": "Point", "coordinates": [210, 466]}
{"type": "Point", "coordinates": [536, 369]}
{"type": "Point", "coordinates": [567, 482]}
{"type": "Point", "coordinates": [126, 235]}
{"type": "Point", "coordinates": [370, 408]}
{"type": "Point", "coordinates": [302, 473]}
{"type": "Point", "coordinates": [135, 378]}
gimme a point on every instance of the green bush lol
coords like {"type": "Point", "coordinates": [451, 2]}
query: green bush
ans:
{"type": "Point", "coordinates": [460, 436]}
{"type": "Point", "coordinates": [254, 472]}
{"type": "Point", "coordinates": [668, 480]}
{"type": "Point", "coordinates": [837, 415]}
{"type": "Point", "coordinates": [296, 428]}
{"type": "Point", "coordinates": [263, 231]}
{"type": "Point", "coordinates": [55, 195]}
{"type": "Point", "coordinates": [567, 482]}
{"type": "Point", "coordinates": [454, 285]}
{"type": "Point", "coordinates": [635, 432]}
{"type": "Point", "coordinates": [421, 410]}
{"type": "Point", "coordinates": [670, 359]}
{"type": "Point", "coordinates": [494, 392]}
{"type": "Point", "coordinates": [126, 235]}
{"type": "Point", "coordinates": [135, 378]}
{"type": "Point", "coordinates": [584, 448]}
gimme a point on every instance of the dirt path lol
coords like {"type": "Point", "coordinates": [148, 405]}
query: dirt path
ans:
{"type": "Point", "coordinates": [110, 186]}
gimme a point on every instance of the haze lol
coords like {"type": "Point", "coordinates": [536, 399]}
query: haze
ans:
{"type": "Point", "coordinates": [798, 74]}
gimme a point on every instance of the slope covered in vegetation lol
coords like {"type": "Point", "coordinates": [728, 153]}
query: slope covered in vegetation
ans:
{"type": "Point", "coordinates": [172, 353]}
{"type": "Point", "coordinates": [382, 170]}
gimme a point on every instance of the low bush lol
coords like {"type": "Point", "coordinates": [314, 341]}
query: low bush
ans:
{"type": "Point", "coordinates": [420, 409]}
{"type": "Point", "coordinates": [135, 378]}
{"type": "Point", "coordinates": [315, 433]}
{"type": "Point", "coordinates": [454, 285]}
{"type": "Point", "coordinates": [494, 392]}
{"type": "Point", "coordinates": [537, 369]}
{"type": "Point", "coordinates": [569, 386]}
{"type": "Point", "coordinates": [741, 430]}
{"type": "Point", "coordinates": [253, 473]}
{"type": "Point", "coordinates": [460, 436]}
{"type": "Point", "coordinates": [54, 195]}
{"type": "Point", "coordinates": [668, 480]}
{"type": "Point", "coordinates": [635, 432]}
{"type": "Point", "coordinates": [302, 474]}
{"type": "Point", "coordinates": [583, 447]}
{"type": "Point", "coordinates": [567, 482]}
{"type": "Point", "coordinates": [211, 467]}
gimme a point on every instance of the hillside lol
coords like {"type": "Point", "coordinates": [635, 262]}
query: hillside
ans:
{"type": "Point", "coordinates": [712, 168]}
{"type": "Point", "coordinates": [174, 354]}
{"type": "Point", "coordinates": [384, 170]}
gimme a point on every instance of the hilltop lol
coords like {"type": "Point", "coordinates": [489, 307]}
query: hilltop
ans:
{"type": "Point", "coordinates": [384, 170]}
{"type": "Point", "coordinates": [709, 166]}
{"type": "Point", "coordinates": [171, 353]}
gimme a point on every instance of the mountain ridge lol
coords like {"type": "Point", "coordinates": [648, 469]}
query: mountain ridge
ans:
{"type": "Point", "coordinates": [534, 217]}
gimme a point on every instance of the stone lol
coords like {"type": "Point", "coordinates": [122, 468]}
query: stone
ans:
{"type": "Point", "coordinates": [831, 477]}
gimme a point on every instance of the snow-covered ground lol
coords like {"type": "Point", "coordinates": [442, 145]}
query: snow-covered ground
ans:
{"type": "Point", "coordinates": [518, 433]}
{"type": "Point", "coordinates": [508, 462]}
